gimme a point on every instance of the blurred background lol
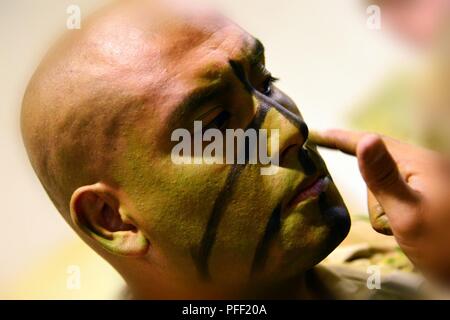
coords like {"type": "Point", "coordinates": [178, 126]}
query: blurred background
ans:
{"type": "Point", "coordinates": [341, 70]}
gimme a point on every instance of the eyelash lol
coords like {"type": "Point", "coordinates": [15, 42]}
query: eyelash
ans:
{"type": "Point", "coordinates": [220, 121]}
{"type": "Point", "coordinates": [267, 85]}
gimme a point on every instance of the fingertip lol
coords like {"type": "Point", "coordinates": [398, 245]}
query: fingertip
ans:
{"type": "Point", "coordinates": [342, 140]}
{"type": "Point", "coordinates": [319, 137]}
{"type": "Point", "coordinates": [314, 134]}
{"type": "Point", "coordinates": [370, 147]}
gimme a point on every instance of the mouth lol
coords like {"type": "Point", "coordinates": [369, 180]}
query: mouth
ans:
{"type": "Point", "coordinates": [309, 189]}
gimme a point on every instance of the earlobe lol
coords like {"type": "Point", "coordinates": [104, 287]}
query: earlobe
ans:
{"type": "Point", "coordinates": [99, 213]}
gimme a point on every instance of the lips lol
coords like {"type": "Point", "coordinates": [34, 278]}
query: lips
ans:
{"type": "Point", "coordinates": [310, 189]}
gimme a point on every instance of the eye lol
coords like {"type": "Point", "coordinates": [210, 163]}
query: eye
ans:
{"type": "Point", "coordinates": [220, 121]}
{"type": "Point", "coordinates": [267, 85]}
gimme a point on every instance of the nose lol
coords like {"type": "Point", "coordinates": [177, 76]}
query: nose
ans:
{"type": "Point", "coordinates": [295, 128]}
{"type": "Point", "coordinates": [293, 133]}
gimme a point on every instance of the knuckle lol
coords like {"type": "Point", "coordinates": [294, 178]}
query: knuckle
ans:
{"type": "Point", "coordinates": [386, 175]}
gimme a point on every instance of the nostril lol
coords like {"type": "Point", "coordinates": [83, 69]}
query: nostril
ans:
{"type": "Point", "coordinates": [306, 162]}
{"type": "Point", "coordinates": [304, 130]}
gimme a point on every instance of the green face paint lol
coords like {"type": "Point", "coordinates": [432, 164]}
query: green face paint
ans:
{"type": "Point", "coordinates": [227, 223]}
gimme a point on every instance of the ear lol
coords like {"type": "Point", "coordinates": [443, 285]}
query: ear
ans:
{"type": "Point", "coordinates": [97, 210]}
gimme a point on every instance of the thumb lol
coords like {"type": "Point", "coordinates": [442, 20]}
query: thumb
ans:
{"type": "Point", "coordinates": [383, 177]}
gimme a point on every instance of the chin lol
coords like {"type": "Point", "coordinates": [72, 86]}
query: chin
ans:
{"type": "Point", "coordinates": [307, 234]}
{"type": "Point", "coordinates": [335, 214]}
{"type": "Point", "coordinates": [300, 261]}
{"type": "Point", "coordinates": [334, 224]}
{"type": "Point", "coordinates": [339, 223]}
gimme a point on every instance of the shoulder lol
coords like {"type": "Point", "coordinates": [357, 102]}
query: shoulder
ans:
{"type": "Point", "coordinates": [349, 283]}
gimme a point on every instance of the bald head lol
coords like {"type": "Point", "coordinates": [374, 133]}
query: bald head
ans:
{"type": "Point", "coordinates": [98, 121]}
{"type": "Point", "coordinates": [124, 66]}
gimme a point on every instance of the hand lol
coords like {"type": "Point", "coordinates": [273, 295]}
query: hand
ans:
{"type": "Point", "coordinates": [408, 194]}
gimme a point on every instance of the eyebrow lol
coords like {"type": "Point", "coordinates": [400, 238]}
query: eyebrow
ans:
{"type": "Point", "coordinates": [205, 94]}
{"type": "Point", "coordinates": [257, 52]}
{"type": "Point", "coordinates": [199, 97]}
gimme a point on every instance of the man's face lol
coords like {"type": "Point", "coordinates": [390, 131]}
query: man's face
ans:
{"type": "Point", "coordinates": [226, 223]}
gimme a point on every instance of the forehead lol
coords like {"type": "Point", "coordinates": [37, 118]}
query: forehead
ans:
{"type": "Point", "coordinates": [176, 60]}
{"type": "Point", "coordinates": [197, 45]}
{"type": "Point", "coordinates": [197, 54]}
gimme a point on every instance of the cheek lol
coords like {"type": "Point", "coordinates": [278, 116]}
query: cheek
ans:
{"type": "Point", "coordinates": [173, 203]}
{"type": "Point", "coordinates": [300, 232]}
{"type": "Point", "coordinates": [303, 242]}
{"type": "Point", "coordinates": [185, 194]}
{"type": "Point", "coordinates": [244, 223]}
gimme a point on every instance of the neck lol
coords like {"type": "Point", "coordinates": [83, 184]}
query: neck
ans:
{"type": "Point", "coordinates": [302, 286]}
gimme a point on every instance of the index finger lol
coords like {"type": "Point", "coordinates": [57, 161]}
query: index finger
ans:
{"type": "Point", "coordinates": [343, 140]}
